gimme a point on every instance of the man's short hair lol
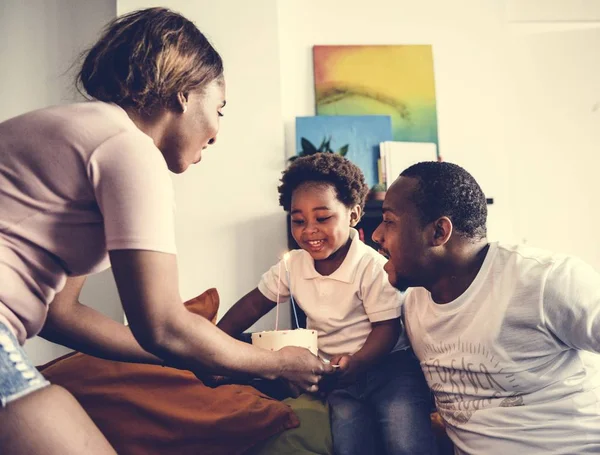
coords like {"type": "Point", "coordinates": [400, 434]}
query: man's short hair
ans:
{"type": "Point", "coordinates": [446, 189]}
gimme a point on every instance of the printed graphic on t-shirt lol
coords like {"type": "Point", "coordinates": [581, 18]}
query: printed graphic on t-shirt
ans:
{"type": "Point", "coordinates": [465, 378]}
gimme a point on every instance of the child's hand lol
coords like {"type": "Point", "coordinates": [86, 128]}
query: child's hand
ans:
{"type": "Point", "coordinates": [347, 370]}
{"type": "Point", "coordinates": [343, 362]}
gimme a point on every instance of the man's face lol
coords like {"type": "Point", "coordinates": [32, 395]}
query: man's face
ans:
{"type": "Point", "coordinates": [402, 236]}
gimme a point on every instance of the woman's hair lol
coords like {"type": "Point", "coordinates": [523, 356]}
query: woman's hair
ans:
{"type": "Point", "coordinates": [144, 58]}
{"type": "Point", "coordinates": [327, 168]}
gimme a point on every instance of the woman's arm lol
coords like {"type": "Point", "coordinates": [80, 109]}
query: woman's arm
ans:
{"type": "Point", "coordinates": [245, 312]}
{"type": "Point", "coordinates": [86, 330]}
{"type": "Point", "coordinates": [148, 286]}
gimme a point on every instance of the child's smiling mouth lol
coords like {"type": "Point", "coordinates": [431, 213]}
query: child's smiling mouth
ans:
{"type": "Point", "coordinates": [315, 244]}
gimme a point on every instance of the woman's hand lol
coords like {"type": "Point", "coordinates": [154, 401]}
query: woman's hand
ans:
{"type": "Point", "coordinates": [302, 369]}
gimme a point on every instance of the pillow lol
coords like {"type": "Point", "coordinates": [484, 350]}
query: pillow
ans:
{"type": "Point", "coordinates": [312, 437]}
{"type": "Point", "coordinates": [149, 409]}
{"type": "Point", "coordinates": [206, 304]}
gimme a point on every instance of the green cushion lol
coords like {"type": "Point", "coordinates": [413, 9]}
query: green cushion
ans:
{"type": "Point", "coordinates": [313, 436]}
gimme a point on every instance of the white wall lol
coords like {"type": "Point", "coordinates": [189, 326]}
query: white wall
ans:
{"type": "Point", "coordinates": [229, 225]}
{"type": "Point", "coordinates": [557, 12]}
{"type": "Point", "coordinates": [469, 59]}
{"type": "Point", "coordinates": [516, 107]}
{"type": "Point", "coordinates": [554, 124]}
{"type": "Point", "coordinates": [39, 41]}
{"type": "Point", "coordinates": [230, 228]}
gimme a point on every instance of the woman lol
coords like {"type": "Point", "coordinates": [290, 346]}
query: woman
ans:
{"type": "Point", "coordinates": [88, 183]}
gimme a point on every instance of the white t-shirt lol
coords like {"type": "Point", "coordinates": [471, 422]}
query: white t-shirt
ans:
{"type": "Point", "coordinates": [75, 181]}
{"type": "Point", "coordinates": [507, 359]}
{"type": "Point", "coordinates": [340, 306]}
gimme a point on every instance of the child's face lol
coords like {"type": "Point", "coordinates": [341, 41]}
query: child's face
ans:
{"type": "Point", "coordinates": [320, 222]}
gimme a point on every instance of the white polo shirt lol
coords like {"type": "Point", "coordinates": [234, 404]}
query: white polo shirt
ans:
{"type": "Point", "coordinates": [341, 306]}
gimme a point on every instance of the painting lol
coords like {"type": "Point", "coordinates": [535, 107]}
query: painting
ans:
{"type": "Point", "coordinates": [392, 80]}
{"type": "Point", "coordinates": [356, 137]}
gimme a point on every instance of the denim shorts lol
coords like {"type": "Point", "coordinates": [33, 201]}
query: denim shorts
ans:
{"type": "Point", "coordinates": [18, 377]}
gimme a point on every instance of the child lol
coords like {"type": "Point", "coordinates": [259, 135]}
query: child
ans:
{"type": "Point", "coordinates": [379, 402]}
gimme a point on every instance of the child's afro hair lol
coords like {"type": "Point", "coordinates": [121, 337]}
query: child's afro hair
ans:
{"type": "Point", "coordinates": [328, 168]}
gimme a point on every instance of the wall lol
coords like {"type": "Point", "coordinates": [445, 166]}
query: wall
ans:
{"type": "Point", "coordinates": [556, 13]}
{"type": "Point", "coordinates": [469, 59]}
{"type": "Point", "coordinates": [517, 94]}
{"type": "Point", "coordinates": [229, 225]}
{"type": "Point", "coordinates": [554, 118]}
{"type": "Point", "coordinates": [39, 41]}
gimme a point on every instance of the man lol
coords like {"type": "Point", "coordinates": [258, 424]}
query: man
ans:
{"type": "Point", "coordinates": [503, 333]}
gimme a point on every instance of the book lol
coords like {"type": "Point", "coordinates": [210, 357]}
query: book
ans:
{"type": "Point", "coordinates": [397, 156]}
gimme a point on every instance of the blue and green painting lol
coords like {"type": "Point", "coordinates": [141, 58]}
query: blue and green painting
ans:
{"type": "Point", "coordinates": [356, 136]}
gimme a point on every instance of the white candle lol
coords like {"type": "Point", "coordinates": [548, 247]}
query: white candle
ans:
{"type": "Point", "coordinates": [289, 279]}
{"type": "Point", "coordinates": [287, 272]}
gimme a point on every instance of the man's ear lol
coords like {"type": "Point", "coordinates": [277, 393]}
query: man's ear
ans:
{"type": "Point", "coordinates": [355, 214]}
{"type": "Point", "coordinates": [441, 231]}
{"type": "Point", "coordinates": [182, 101]}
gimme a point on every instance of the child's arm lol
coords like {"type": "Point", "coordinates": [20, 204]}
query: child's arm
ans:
{"type": "Point", "coordinates": [245, 312]}
{"type": "Point", "coordinates": [379, 343]}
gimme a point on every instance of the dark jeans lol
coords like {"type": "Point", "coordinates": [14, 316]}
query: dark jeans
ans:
{"type": "Point", "coordinates": [386, 411]}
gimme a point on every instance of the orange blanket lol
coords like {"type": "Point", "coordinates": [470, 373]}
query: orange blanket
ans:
{"type": "Point", "coordinates": [148, 409]}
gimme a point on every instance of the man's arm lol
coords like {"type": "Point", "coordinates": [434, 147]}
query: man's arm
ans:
{"type": "Point", "coordinates": [571, 304]}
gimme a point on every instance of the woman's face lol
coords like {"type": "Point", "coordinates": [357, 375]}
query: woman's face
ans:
{"type": "Point", "coordinates": [194, 127]}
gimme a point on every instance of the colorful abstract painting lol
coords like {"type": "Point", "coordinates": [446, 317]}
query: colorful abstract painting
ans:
{"type": "Point", "coordinates": [388, 80]}
{"type": "Point", "coordinates": [361, 134]}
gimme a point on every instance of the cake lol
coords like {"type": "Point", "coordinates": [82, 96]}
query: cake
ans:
{"type": "Point", "coordinates": [274, 340]}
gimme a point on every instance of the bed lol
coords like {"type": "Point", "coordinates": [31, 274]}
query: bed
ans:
{"type": "Point", "coordinates": [149, 409]}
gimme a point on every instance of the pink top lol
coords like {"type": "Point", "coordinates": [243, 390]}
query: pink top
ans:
{"type": "Point", "coordinates": [75, 181]}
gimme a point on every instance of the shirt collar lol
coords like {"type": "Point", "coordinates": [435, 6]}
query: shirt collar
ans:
{"type": "Point", "coordinates": [346, 271]}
